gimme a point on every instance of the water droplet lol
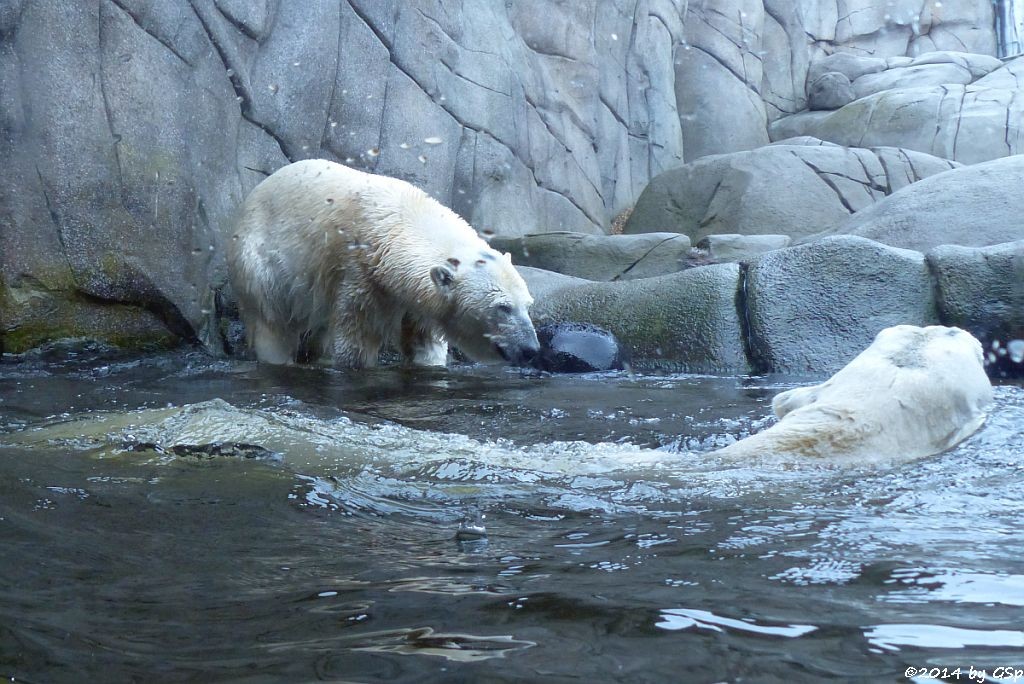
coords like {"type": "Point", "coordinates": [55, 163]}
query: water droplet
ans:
{"type": "Point", "coordinates": [615, 36]}
{"type": "Point", "coordinates": [423, 160]}
{"type": "Point", "coordinates": [433, 140]}
{"type": "Point", "coordinates": [373, 152]}
{"type": "Point", "coordinates": [1016, 349]}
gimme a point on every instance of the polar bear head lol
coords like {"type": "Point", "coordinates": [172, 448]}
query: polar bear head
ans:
{"type": "Point", "coordinates": [488, 307]}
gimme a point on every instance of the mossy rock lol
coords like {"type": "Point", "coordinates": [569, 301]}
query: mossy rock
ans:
{"type": "Point", "coordinates": [32, 314]}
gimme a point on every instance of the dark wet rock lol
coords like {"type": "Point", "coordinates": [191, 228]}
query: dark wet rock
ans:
{"type": "Point", "coordinates": [208, 451]}
{"type": "Point", "coordinates": [972, 206]}
{"type": "Point", "coordinates": [831, 90]}
{"type": "Point", "coordinates": [578, 348]}
{"type": "Point", "coordinates": [599, 257]}
{"type": "Point", "coordinates": [32, 313]}
{"type": "Point", "coordinates": [795, 190]}
{"type": "Point", "coordinates": [814, 307]}
{"type": "Point", "coordinates": [685, 320]}
{"type": "Point", "coordinates": [982, 291]}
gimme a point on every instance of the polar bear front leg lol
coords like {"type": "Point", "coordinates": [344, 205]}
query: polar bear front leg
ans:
{"type": "Point", "coordinates": [423, 345]}
{"type": "Point", "coordinates": [270, 346]}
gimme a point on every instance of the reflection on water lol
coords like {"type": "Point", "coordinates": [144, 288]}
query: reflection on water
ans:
{"type": "Point", "coordinates": [174, 517]}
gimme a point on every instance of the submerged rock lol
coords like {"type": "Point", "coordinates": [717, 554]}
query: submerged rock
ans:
{"type": "Point", "coordinates": [579, 348]}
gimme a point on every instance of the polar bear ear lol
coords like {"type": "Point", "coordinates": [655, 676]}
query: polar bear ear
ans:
{"type": "Point", "coordinates": [443, 277]}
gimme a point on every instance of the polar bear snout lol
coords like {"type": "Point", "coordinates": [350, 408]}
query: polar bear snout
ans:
{"type": "Point", "coordinates": [517, 342]}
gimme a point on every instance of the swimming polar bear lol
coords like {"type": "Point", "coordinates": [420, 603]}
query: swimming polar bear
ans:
{"type": "Point", "coordinates": [914, 392]}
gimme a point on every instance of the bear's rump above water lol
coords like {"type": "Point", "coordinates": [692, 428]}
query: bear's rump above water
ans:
{"type": "Point", "coordinates": [339, 263]}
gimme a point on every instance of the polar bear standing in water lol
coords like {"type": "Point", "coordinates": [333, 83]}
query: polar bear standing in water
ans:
{"type": "Point", "coordinates": [914, 392]}
{"type": "Point", "coordinates": [333, 262]}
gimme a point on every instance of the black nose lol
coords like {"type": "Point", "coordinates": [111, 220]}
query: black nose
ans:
{"type": "Point", "coordinates": [528, 354]}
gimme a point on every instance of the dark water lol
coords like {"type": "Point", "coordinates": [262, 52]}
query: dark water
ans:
{"type": "Point", "coordinates": [616, 548]}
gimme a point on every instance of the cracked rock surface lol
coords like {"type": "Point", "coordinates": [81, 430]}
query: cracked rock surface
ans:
{"type": "Point", "coordinates": [783, 189]}
{"type": "Point", "coordinates": [971, 206]}
{"type": "Point", "coordinates": [969, 108]}
{"type": "Point", "coordinates": [600, 257]}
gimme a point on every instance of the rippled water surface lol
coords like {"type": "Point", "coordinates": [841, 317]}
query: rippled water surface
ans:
{"type": "Point", "coordinates": [173, 518]}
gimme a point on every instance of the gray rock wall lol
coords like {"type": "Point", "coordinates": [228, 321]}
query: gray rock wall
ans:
{"type": "Point", "coordinates": [131, 129]}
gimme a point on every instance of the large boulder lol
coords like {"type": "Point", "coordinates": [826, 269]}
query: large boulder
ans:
{"type": "Point", "coordinates": [813, 307]}
{"type": "Point", "coordinates": [973, 206]}
{"type": "Point", "coordinates": [687, 320]}
{"type": "Point", "coordinates": [981, 289]}
{"type": "Point", "coordinates": [541, 282]}
{"type": "Point", "coordinates": [794, 190]}
{"type": "Point", "coordinates": [720, 108]}
{"type": "Point", "coordinates": [913, 76]}
{"type": "Point", "coordinates": [903, 27]}
{"type": "Point", "coordinates": [599, 257]}
{"type": "Point", "coordinates": [850, 65]}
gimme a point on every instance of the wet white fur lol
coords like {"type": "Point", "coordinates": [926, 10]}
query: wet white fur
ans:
{"type": "Point", "coordinates": [343, 256]}
{"type": "Point", "coordinates": [914, 392]}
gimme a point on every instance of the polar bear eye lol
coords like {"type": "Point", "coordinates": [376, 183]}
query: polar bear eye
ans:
{"type": "Point", "coordinates": [504, 309]}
